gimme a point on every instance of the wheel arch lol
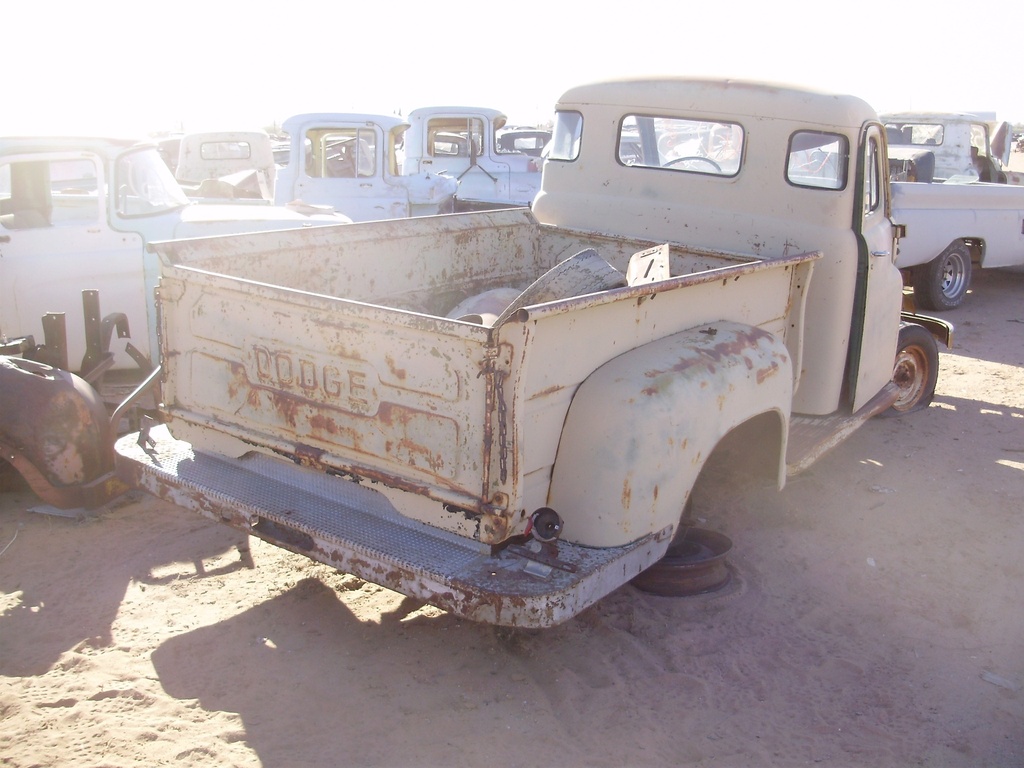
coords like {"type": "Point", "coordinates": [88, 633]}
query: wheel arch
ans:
{"type": "Point", "coordinates": [978, 248]}
{"type": "Point", "coordinates": [641, 427]}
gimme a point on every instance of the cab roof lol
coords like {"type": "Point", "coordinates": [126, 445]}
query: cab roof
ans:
{"type": "Point", "coordinates": [718, 98]}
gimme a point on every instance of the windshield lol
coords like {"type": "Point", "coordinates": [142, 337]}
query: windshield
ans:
{"type": "Point", "coordinates": [145, 185]}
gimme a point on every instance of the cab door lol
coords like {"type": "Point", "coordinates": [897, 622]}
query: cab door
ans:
{"type": "Point", "coordinates": [342, 165]}
{"type": "Point", "coordinates": [462, 146]}
{"type": "Point", "coordinates": [879, 296]}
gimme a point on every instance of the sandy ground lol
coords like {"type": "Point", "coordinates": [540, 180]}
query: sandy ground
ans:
{"type": "Point", "coordinates": [873, 619]}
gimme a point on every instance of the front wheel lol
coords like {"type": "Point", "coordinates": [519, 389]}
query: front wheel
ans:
{"type": "Point", "coordinates": [916, 370]}
{"type": "Point", "coordinates": [942, 283]}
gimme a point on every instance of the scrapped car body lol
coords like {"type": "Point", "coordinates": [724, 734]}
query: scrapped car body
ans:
{"type": "Point", "coordinates": [76, 213]}
{"type": "Point", "coordinates": [949, 229]}
{"type": "Point", "coordinates": [958, 204]}
{"type": "Point", "coordinates": [949, 138]}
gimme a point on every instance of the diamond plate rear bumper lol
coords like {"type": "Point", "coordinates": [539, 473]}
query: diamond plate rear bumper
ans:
{"type": "Point", "coordinates": [357, 530]}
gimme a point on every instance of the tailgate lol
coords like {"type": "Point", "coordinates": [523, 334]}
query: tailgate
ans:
{"type": "Point", "coordinates": [386, 394]}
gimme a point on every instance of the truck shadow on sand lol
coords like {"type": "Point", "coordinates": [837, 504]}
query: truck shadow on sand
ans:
{"type": "Point", "coordinates": [64, 580]}
{"type": "Point", "coordinates": [312, 682]}
{"type": "Point", "coordinates": [315, 684]}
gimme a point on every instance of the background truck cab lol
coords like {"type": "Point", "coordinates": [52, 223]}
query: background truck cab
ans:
{"type": "Point", "coordinates": [469, 143]}
{"type": "Point", "coordinates": [238, 165]}
{"type": "Point", "coordinates": [76, 213]}
{"type": "Point", "coordinates": [352, 162]}
{"type": "Point", "coordinates": [958, 204]}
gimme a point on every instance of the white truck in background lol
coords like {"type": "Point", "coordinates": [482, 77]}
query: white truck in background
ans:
{"type": "Point", "coordinates": [373, 166]}
{"type": "Point", "coordinates": [504, 412]}
{"type": "Point", "coordinates": [235, 165]}
{"type": "Point", "coordinates": [352, 162]}
{"type": "Point", "coordinates": [76, 216]}
{"type": "Point", "coordinates": [956, 200]}
{"type": "Point", "coordinates": [473, 145]}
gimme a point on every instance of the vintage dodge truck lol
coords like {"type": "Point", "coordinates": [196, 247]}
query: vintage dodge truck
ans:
{"type": "Point", "coordinates": [503, 413]}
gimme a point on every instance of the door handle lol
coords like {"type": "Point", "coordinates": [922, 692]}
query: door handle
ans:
{"type": "Point", "coordinates": [881, 254]}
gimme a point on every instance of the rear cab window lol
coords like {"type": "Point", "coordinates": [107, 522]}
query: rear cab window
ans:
{"type": "Point", "coordinates": [814, 159]}
{"type": "Point", "coordinates": [341, 152]}
{"type": "Point", "coordinates": [914, 134]}
{"type": "Point", "coordinates": [683, 145]}
{"type": "Point", "coordinates": [455, 136]}
{"type": "Point", "coordinates": [664, 143]}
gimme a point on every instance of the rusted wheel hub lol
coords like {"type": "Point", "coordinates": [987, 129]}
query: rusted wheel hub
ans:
{"type": "Point", "coordinates": [693, 566]}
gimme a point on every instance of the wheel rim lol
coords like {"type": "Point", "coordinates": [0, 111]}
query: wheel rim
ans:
{"type": "Point", "coordinates": [695, 566]}
{"type": "Point", "coordinates": [910, 376]}
{"type": "Point", "coordinates": [953, 276]}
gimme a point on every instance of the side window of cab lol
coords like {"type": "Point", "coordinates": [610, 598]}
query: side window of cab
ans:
{"type": "Point", "coordinates": [51, 192]}
{"type": "Point", "coordinates": [566, 136]}
{"type": "Point", "coordinates": [872, 177]}
{"type": "Point", "coordinates": [25, 200]}
{"type": "Point", "coordinates": [817, 159]}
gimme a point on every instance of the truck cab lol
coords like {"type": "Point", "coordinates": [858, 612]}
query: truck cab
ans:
{"type": "Point", "coordinates": [703, 175]}
{"type": "Point", "coordinates": [351, 162]}
{"type": "Point", "coordinates": [78, 327]}
{"type": "Point", "coordinates": [238, 165]}
{"type": "Point", "coordinates": [470, 144]}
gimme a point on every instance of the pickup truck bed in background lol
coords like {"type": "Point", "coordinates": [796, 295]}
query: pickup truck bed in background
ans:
{"type": "Point", "coordinates": [951, 227]}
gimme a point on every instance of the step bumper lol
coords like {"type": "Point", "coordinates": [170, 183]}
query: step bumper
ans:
{"type": "Point", "coordinates": [357, 530]}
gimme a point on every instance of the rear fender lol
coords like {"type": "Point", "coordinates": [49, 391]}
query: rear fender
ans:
{"type": "Point", "coordinates": [640, 427]}
{"type": "Point", "coordinates": [56, 432]}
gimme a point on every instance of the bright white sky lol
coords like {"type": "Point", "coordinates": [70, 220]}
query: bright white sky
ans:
{"type": "Point", "coordinates": [132, 68]}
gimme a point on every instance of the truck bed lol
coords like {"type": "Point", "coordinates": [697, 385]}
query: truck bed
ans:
{"type": "Point", "coordinates": [425, 266]}
{"type": "Point", "coordinates": [324, 390]}
{"type": "Point", "coordinates": [332, 346]}
{"type": "Point", "coordinates": [936, 215]}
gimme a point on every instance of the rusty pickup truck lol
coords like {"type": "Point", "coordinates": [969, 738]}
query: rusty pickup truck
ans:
{"type": "Point", "coordinates": [503, 413]}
